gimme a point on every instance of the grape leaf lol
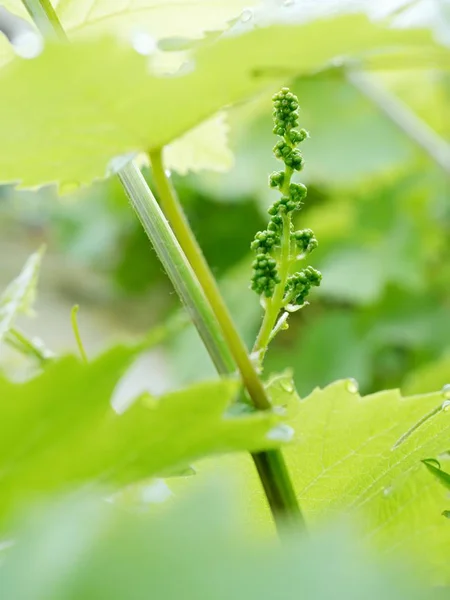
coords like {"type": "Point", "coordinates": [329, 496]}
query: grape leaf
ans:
{"type": "Point", "coordinates": [355, 456]}
{"type": "Point", "coordinates": [350, 459]}
{"type": "Point", "coordinates": [20, 294]}
{"type": "Point", "coordinates": [95, 100]}
{"type": "Point", "coordinates": [205, 147]}
{"type": "Point", "coordinates": [58, 430]}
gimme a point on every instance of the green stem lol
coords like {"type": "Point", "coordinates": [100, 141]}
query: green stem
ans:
{"type": "Point", "coordinates": [270, 465]}
{"type": "Point", "coordinates": [22, 343]}
{"type": "Point", "coordinates": [45, 18]}
{"type": "Point", "coordinates": [76, 333]}
{"type": "Point", "coordinates": [176, 265]}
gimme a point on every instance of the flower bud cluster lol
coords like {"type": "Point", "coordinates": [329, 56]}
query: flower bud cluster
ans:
{"type": "Point", "coordinates": [299, 285]}
{"type": "Point", "coordinates": [305, 240]}
{"type": "Point", "coordinates": [279, 229]}
{"type": "Point", "coordinates": [265, 276]}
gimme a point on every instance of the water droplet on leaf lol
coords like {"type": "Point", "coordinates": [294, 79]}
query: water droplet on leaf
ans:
{"type": "Point", "coordinates": [28, 44]}
{"type": "Point", "coordinates": [143, 43]}
{"type": "Point", "coordinates": [156, 493]}
{"type": "Point", "coordinates": [352, 386]}
{"type": "Point", "coordinates": [118, 162]}
{"type": "Point", "coordinates": [246, 15]}
{"type": "Point", "coordinates": [446, 405]}
{"type": "Point", "coordinates": [288, 2]}
{"type": "Point", "coordinates": [281, 433]}
{"type": "Point", "coordinates": [387, 491]}
{"type": "Point", "coordinates": [287, 387]}
{"type": "Point", "coordinates": [446, 391]}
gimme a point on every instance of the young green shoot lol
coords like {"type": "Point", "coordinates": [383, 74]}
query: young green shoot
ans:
{"type": "Point", "coordinates": [76, 332]}
{"type": "Point", "coordinates": [280, 248]}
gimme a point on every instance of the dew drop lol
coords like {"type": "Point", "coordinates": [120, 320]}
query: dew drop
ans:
{"type": "Point", "coordinates": [156, 493]}
{"type": "Point", "coordinates": [39, 344]}
{"type": "Point", "coordinates": [68, 187]}
{"type": "Point", "coordinates": [246, 15]}
{"type": "Point", "coordinates": [446, 391]}
{"type": "Point", "coordinates": [446, 405]}
{"type": "Point", "coordinates": [288, 2]}
{"type": "Point", "coordinates": [117, 163]}
{"type": "Point", "coordinates": [143, 43]}
{"type": "Point", "coordinates": [287, 387]}
{"type": "Point", "coordinates": [281, 433]}
{"type": "Point", "coordinates": [352, 386]}
{"type": "Point", "coordinates": [28, 44]}
{"type": "Point", "coordinates": [168, 173]}
{"type": "Point", "coordinates": [387, 491]}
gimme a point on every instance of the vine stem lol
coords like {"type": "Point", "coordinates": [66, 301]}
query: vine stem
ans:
{"type": "Point", "coordinates": [193, 281]}
{"type": "Point", "coordinates": [176, 265]}
{"type": "Point", "coordinates": [18, 340]}
{"type": "Point", "coordinates": [45, 19]}
{"type": "Point", "coordinates": [270, 465]}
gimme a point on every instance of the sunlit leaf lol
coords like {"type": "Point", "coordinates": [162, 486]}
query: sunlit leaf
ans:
{"type": "Point", "coordinates": [362, 457]}
{"type": "Point", "coordinates": [204, 147]}
{"type": "Point", "coordinates": [159, 18]}
{"type": "Point", "coordinates": [96, 100]}
{"type": "Point", "coordinates": [435, 468]}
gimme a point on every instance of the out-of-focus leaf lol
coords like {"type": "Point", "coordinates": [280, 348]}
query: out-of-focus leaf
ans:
{"type": "Point", "coordinates": [95, 552]}
{"type": "Point", "coordinates": [353, 275]}
{"type": "Point", "coordinates": [74, 83]}
{"type": "Point", "coordinates": [58, 430]}
{"type": "Point", "coordinates": [428, 378]}
{"type": "Point", "coordinates": [20, 294]}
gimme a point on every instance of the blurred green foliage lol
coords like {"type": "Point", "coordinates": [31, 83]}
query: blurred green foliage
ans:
{"type": "Point", "coordinates": [198, 549]}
